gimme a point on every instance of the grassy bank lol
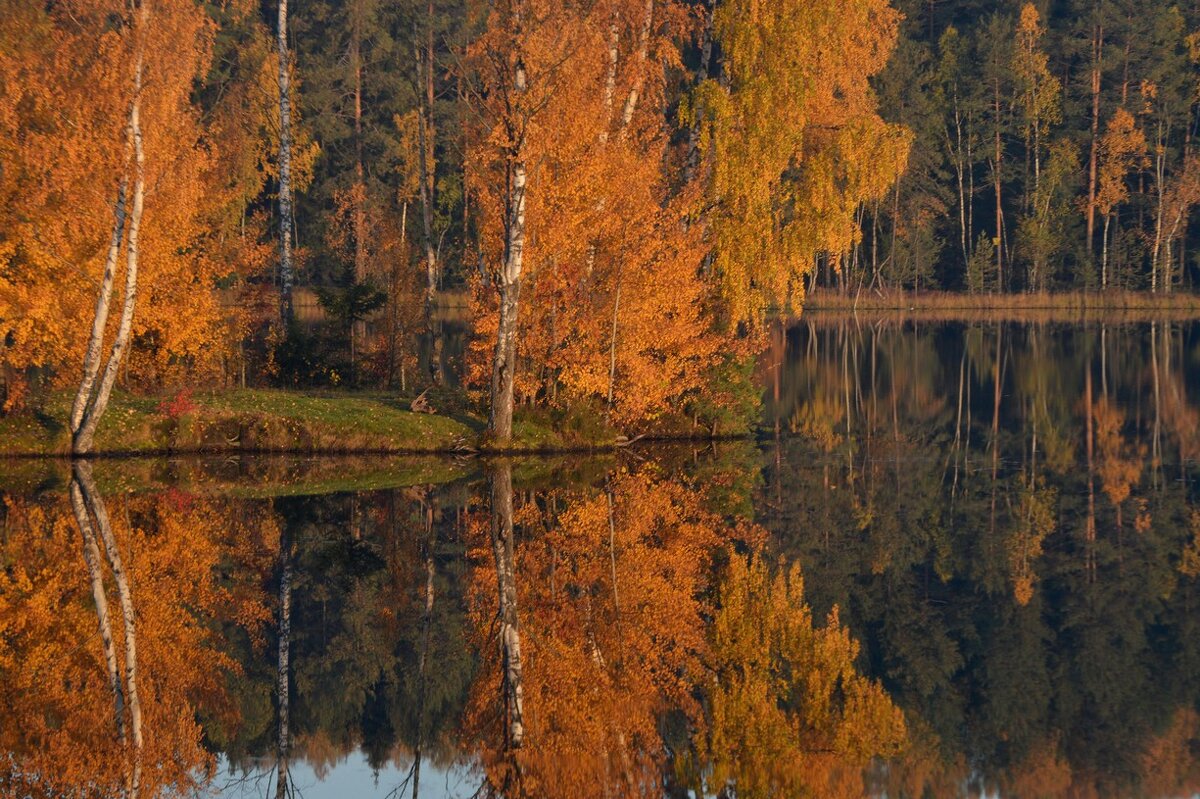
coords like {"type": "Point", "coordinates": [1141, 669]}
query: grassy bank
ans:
{"type": "Point", "coordinates": [272, 421]}
{"type": "Point", "coordinates": [1071, 306]}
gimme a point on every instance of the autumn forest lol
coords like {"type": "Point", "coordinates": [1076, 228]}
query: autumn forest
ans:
{"type": "Point", "coordinates": [632, 398]}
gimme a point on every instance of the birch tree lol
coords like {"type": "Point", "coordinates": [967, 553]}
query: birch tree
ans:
{"type": "Point", "coordinates": [795, 140]}
{"type": "Point", "coordinates": [286, 267]}
{"type": "Point", "coordinates": [92, 398]}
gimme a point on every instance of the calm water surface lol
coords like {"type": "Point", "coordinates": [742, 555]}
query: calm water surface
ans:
{"type": "Point", "coordinates": [1004, 516]}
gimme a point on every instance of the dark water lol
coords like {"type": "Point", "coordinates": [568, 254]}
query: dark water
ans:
{"type": "Point", "coordinates": [1001, 515]}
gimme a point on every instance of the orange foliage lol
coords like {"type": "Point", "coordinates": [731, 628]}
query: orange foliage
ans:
{"type": "Point", "coordinates": [67, 71]}
{"type": "Point", "coordinates": [614, 309]}
{"type": "Point", "coordinates": [613, 629]}
{"type": "Point", "coordinates": [59, 730]}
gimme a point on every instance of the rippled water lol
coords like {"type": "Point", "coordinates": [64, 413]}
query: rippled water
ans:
{"type": "Point", "coordinates": [1001, 515]}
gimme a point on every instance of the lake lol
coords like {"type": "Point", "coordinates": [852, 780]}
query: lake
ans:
{"type": "Point", "coordinates": [960, 559]}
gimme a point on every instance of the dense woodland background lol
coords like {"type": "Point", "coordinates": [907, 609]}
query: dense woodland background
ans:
{"type": "Point", "coordinates": [1093, 103]}
{"type": "Point", "coordinates": [608, 199]}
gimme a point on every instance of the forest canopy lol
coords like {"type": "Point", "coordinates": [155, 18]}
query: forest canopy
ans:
{"type": "Point", "coordinates": [608, 199]}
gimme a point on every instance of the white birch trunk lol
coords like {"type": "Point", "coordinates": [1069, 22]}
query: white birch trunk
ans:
{"type": "Point", "coordinates": [96, 397]}
{"type": "Point", "coordinates": [506, 582]}
{"type": "Point", "coordinates": [508, 279]}
{"type": "Point", "coordinates": [639, 79]}
{"type": "Point", "coordinates": [92, 359]}
{"type": "Point", "coordinates": [286, 269]}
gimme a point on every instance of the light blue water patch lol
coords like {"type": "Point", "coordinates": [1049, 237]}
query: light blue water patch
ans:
{"type": "Point", "coordinates": [350, 777]}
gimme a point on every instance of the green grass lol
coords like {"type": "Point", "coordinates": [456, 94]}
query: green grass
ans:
{"type": "Point", "coordinates": [266, 420]}
{"type": "Point", "coordinates": [249, 420]}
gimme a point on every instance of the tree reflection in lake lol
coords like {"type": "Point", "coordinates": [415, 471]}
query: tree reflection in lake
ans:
{"type": "Point", "coordinates": [961, 563]}
{"type": "Point", "coordinates": [1004, 514]}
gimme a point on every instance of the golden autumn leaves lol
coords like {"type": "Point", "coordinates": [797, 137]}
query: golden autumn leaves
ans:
{"type": "Point", "coordinates": [68, 72]}
{"type": "Point", "coordinates": [638, 608]}
{"type": "Point", "coordinates": [631, 265]}
{"type": "Point", "coordinates": [644, 264]}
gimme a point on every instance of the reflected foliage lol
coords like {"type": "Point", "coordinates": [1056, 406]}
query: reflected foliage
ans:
{"type": "Point", "coordinates": [963, 561]}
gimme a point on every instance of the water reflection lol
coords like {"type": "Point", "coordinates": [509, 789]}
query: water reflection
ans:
{"type": "Point", "coordinates": [961, 563]}
{"type": "Point", "coordinates": [1006, 516]}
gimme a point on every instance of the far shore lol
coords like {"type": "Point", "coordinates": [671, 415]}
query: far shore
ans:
{"type": "Point", "coordinates": [1114, 305]}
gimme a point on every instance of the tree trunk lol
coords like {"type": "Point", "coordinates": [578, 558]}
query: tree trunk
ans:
{"type": "Point", "coordinates": [504, 363]}
{"type": "Point", "coordinates": [286, 271]}
{"type": "Point", "coordinates": [1159, 179]}
{"type": "Point", "coordinates": [84, 430]}
{"type": "Point", "coordinates": [282, 686]}
{"type": "Point", "coordinates": [610, 78]}
{"type": "Point", "coordinates": [91, 361]}
{"type": "Point", "coordinates": [506, 581]}
{"type": "Point", "coordinates": [360, 211]}
{"type": "Point", "coordinates": [423, 658]}
{"type": "Point", "coordinates": [639, 78]}
{"type": "Point", "coordinates": [1094, 157]}
{"type": "Point", "coordinates": [91, 555]}
{"type": "Point", "coordinates": [612, 344]}
{"type": "Point", "coordinates": [1104, 253]}
{"type": "Point", "coordinates": [960, 174]}
{"type": "Point", "coordinates": [425, 135]}
{"type": "Point", "coordinates": [996, 181]}
{"type": "Point", "coordinates": [94, 505]}
{"type": "Point", "coordinates": [508, 285]}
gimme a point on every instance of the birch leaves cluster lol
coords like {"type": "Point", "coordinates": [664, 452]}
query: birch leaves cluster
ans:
{"type": "Point", "coordinates": [122, 198]}
{"type": "Point", "coordinates": [638, 257]}
{"type": "Point", "coordinates": [794, 142]}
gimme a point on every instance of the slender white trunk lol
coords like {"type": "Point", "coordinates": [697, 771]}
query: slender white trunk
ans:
{"type": "Point", "coordinates": [91, 361]}
{"type": "Point", "coordinates": [94, 398]}
{"type": "Point", "coordinates": [506, 582]}
{"type": "Point", "coordinates": [286, 269]}
{"type": "Point", "coordinates": [1104, 253]}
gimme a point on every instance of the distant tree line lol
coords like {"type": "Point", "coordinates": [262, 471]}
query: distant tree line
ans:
{"type": "Point", "coordinates": [1054, 147]}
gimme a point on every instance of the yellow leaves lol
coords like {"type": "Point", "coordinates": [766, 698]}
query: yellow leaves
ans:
{"type": "Point", "coordinates": [794, 143]}
{"type": "Point", "coordinates": [1122, 148]}
{"type": "Point", "coordinates": [1035, 519]}
{"type": "Point", "coordinates": [790, 713]}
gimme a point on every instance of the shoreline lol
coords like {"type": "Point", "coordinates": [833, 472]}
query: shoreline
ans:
{"type": "Point", "coordinates": [1067, 306]}
{"type": "Point", "coordinates": [300, 424]}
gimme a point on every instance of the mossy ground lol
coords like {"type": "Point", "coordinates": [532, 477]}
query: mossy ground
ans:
{"type": "Point", "coordinates": [267, 420]}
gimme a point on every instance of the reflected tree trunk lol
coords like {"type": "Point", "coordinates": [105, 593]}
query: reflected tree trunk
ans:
{"type": "Point", "coordinates": [426, 630]}
{"type": "Point", "coordinates": [92, 516]}
{"type": "Point", "coordinates": [1089, 446]}
{"type": "Point", "coordinates": [91, 555]}
{"type": "Point", "coordinates": [282, 665]}
{"type": "Point", "coordinates": [506, 581]}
